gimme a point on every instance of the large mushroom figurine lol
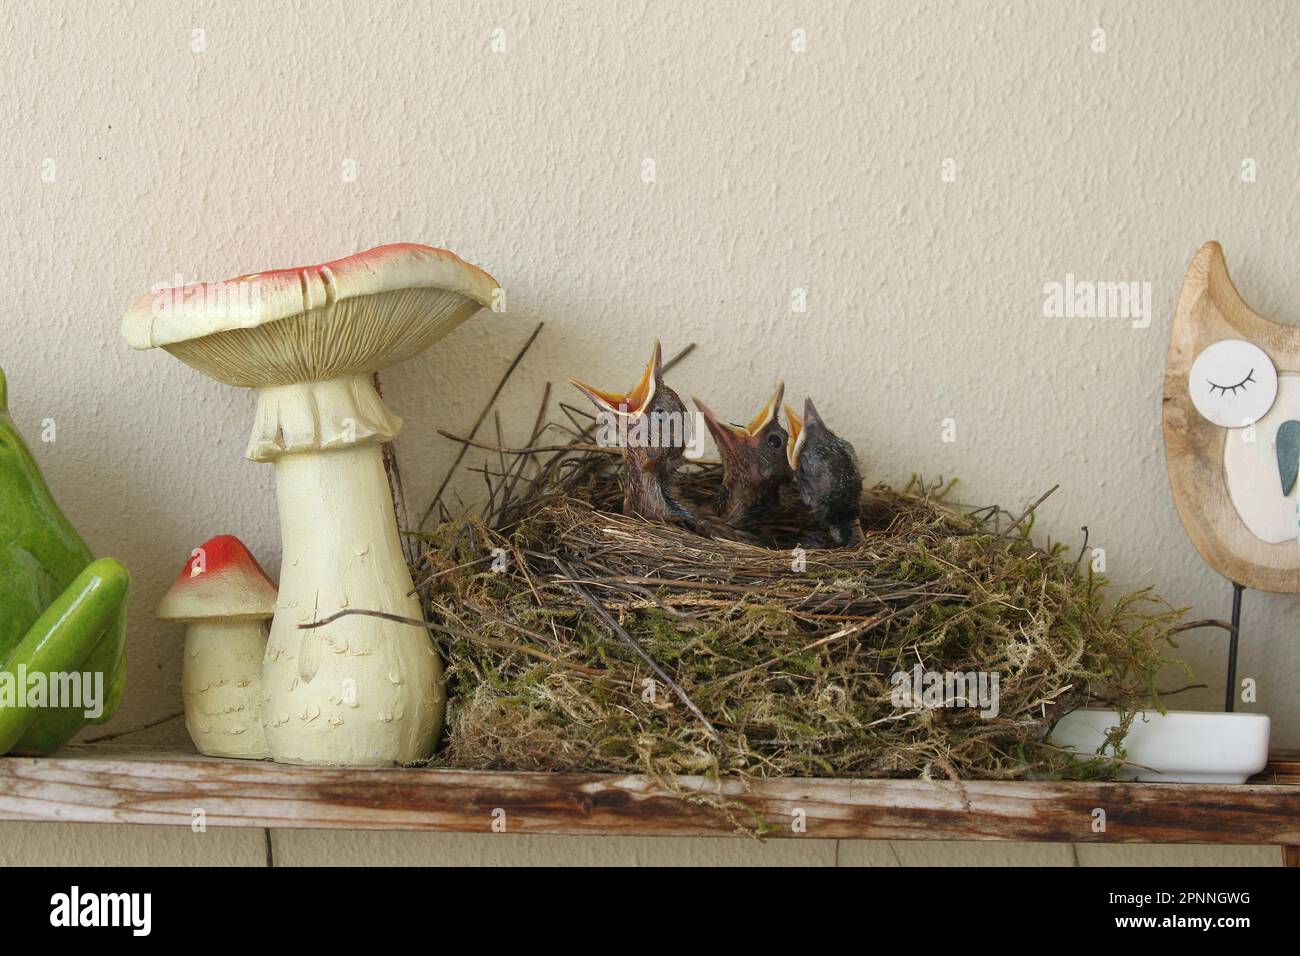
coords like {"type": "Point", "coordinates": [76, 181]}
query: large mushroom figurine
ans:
{"type": "Point", "coordinates": [360, 690]}
{"type": "Point", "coordinates": [224, 599]}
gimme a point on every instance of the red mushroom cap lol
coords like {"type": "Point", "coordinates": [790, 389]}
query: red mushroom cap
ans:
{"type": "Point", "coordinates": [221, 581]}
{"type": "Point", "coordinates": [179, 315]}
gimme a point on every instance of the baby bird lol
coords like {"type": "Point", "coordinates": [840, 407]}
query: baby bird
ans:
{"type": "Point", "coordinates": [754, 465]}
{"type": "Point", "coordinates": [826, 473]}
{"type": "Point", "coordinates": [650, 423]}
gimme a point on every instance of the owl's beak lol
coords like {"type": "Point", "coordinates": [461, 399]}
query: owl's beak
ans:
{"type": "Point", "coordinates": [1288, 454]}
{"type": "Point", "coordinates": [635, 402]}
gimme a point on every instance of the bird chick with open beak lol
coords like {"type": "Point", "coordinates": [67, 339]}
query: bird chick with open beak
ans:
{"type": "Point", "coordinates": [826, 473]}
{"type": "Point", "coordinates": [754, 464]}
{"type": "Point", "coordinates": [650, 423]}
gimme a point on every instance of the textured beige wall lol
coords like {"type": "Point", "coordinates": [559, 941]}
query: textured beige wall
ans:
{"type": "Point", "coordinates": [211, 138]}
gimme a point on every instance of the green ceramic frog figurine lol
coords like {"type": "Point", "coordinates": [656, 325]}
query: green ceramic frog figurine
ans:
{"type": "Point", "coordinates": [61, 612]}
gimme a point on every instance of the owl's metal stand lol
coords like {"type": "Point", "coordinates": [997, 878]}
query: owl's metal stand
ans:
{"type": "Point", "coordinates": [1231, 699]}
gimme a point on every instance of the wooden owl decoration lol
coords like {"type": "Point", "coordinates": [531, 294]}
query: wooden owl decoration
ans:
{"type": "Point", "coordinates": [1232, 429]}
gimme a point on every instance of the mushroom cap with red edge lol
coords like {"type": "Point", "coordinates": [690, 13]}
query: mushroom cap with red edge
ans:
{"type": "Point", "coordinates": [358, 314]}
{"type": "Point", "coordinates": [221, 581]}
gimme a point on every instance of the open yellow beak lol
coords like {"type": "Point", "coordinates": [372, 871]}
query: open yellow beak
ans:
{"type": "Point", "coordinates": [721, 430]}
{"type": "Point", "coordinates": [768, 411]}
{"type": "Point", "coordinates": [765, 415]}
{"type": "Point", "coordinates": [795, 445]}
{"type": "Point", "coordinates": [631, 403]}
{"type": "Point", "coordinates": [734, 440]}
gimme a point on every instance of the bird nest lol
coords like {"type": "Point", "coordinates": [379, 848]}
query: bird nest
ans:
{"type": "Point", "coordinates": [580, 639]}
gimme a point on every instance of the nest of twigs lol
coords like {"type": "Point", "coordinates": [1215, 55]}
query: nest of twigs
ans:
{"type": "Point", "coordinates": [578, 639]}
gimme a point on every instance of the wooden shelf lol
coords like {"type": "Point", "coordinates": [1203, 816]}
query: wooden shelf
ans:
{"type": "Point", "coordinates": [103, 785]}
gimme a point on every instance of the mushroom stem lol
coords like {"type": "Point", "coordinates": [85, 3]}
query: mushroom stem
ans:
{"type": "Point", "coordinates": [358, 691]}
{"type": "Point", "coordinates": [221, 680]}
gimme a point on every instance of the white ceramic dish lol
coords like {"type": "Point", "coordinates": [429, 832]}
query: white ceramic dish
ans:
{"type": "Point", "coordinates": [1177, 747]}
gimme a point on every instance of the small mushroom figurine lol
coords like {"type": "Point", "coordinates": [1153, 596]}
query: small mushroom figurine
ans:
{"type": "Point", "coordinates": [224, 599]}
